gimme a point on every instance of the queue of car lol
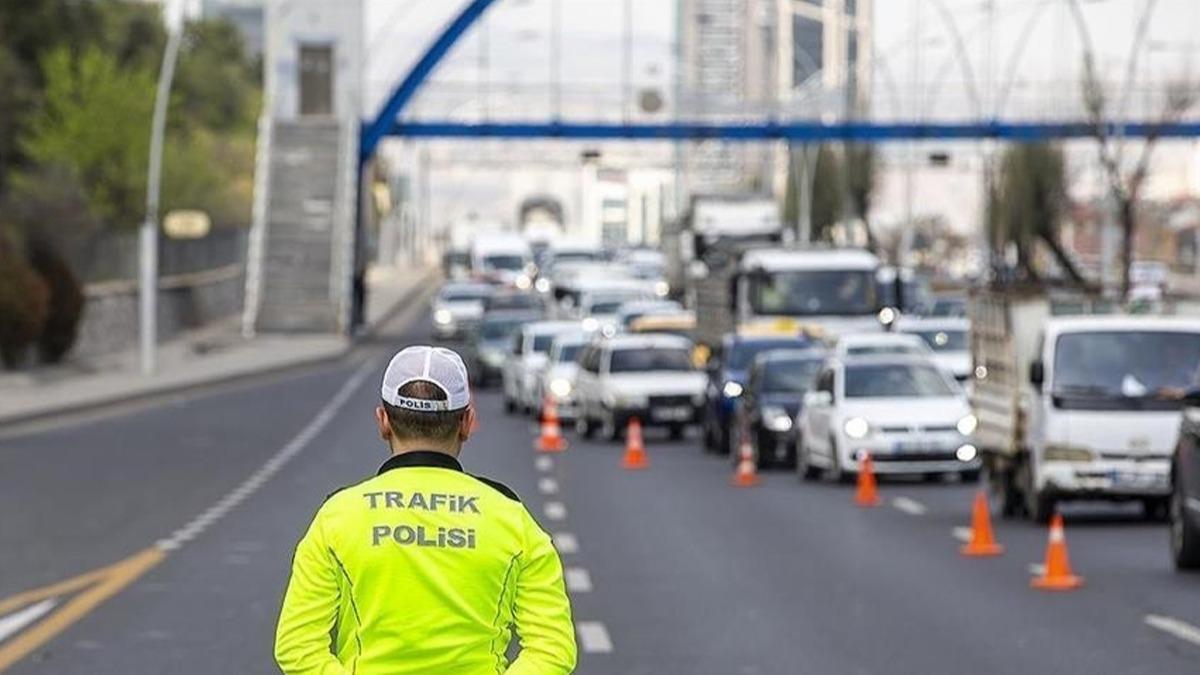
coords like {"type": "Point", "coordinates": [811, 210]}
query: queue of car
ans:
{"type": "Point", "coordinates": [1050, 408]}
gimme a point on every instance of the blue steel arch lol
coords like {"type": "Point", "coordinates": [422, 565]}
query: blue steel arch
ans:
{"type": "Point", "coordinates": [388, 123]}
{"type": "Point", "coordinates": [384, 123]}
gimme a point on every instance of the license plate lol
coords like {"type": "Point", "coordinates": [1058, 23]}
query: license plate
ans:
{"type": "Point", "coordinates": [676, 414]}
{"type": "Point", "coordinates": [1130, 479]}
{"type": "Point", "coordinates": [916, 447]}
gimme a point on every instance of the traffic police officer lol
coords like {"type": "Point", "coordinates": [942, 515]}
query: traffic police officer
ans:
{"type": "Point", "coordinates": [425, 568]}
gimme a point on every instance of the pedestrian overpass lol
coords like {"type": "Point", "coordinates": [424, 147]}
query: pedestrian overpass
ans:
{"type": "Point", "coordinates": [315, 150]}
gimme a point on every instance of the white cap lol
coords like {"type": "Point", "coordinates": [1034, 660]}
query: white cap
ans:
{"type": "Point", "coordinates": [439, 366]}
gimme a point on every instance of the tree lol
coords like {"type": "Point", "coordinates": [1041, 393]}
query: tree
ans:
{"type": "Point", "coordinates": [827, 194]}
{"type": "Point", "coordinates": [94, 123]}
{"type": "Point", "coordinates": [860, 184]}
{"type": "Point", "coordinates": [1027, 206]}
{"type": "Point", "coordinates": [1125, 180]}
{"type": "Point", "coordinates": [23, 303]}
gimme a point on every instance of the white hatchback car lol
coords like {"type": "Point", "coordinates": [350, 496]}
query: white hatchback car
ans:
{"type": "Point", "coordinates": [527, 359]}
{"type": "Point", "coordinates": [558, 378]}
{"type": "Point", "coordinates": [868, 344]}
{"type": "Point", "coordinates": [647, 376]}
{"type": "Point", "coordinates": [908, 414]}
{"type": "Point", "coordinates": [948, 338]}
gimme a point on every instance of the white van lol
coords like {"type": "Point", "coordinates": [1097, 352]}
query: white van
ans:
{"type": "Point", "coordinates": [502, 257]}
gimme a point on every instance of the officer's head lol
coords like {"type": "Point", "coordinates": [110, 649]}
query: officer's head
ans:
{"type": "Point", "coordinates": [426, 401]}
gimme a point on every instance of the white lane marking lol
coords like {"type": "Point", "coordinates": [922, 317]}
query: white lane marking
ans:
{"type": "Point", "coordinates": [1037, 569]}
{"type": "Point", "coordinates": [1174, 627]}
{"type": "Point", "coordinates": [17, 621]}
{"type": "Point", "coordinates": [593, 637]}
{"type": "Point", "coordinates": [578, 580]}
{"type": "Point", "coordinates": [962, 534]}
{"type": "Point", "coordinates": [548, 486]}
{"type": "Point", "coordinates": [271, 467]}
{"type": "Point", "coordinates": [544, 463]}
{"type": "Point", "coordinates": [555, 510]}
{"type": "Point", "coordinates": [910, 506]}
{"type": "Point", "coordinates": [566, 542]}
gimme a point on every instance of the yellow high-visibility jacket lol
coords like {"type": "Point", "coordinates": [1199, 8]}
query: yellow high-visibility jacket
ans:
{"type": "Point", "coordinates": [425, 569]}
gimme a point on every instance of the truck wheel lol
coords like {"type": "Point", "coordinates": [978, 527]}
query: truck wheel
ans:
{"type": "Point", "coordinates": [1041, 506]}
{"type": "Point", "coordinates": [1185, 536]}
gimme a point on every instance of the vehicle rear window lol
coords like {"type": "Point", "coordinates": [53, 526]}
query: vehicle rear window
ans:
{"type": "Point", "coordinates": [743, 353]}
{"type": "Point", "coordinates": [944, 340]}
{"type": "Point", "coordinates": [542, 343]}
{"type": "Point", "coordinates": [896, 380]}
{"type": "Point", "coordinates": [645, 360]}
{"type": "Point", "coordinates": [567, 353]}
{"type": "Point", "coordinates": [867, 350]}
{"type": "Point", "coordinates": [797, 375]}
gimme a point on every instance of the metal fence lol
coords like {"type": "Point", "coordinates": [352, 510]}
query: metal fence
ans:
{"type": "Point", "coordinates": [114, 257]}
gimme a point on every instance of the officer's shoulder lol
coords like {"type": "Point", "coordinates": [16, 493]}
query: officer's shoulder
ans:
{"type": "Point", "coordinates": [497, 486]}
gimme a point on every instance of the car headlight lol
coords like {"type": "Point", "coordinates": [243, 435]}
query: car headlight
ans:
{"type": "Point", "coordinates": [856, 427]}
{"type": "Point", "coordinates": [732, 389]}
{"type": "Point", "coordinates": [542, 285]}
{"type": "Point", "coordinates": [662, 289]}
{"type": "Point", "coordinates": [443, 317]}
{"type": "Point", "coordinates": [591, 324]}
{"type": "Point", "coordinates": [1066, 453]}
{"type": "Point", "coordinates": [966, 426]}
{"type": "Point", "coordinates": [776, 419]}
{"type": "Point", "coordinates": [523, 282]}
{"type": "Point", "coordinates": [966, 452]}
{"type": "Point", "coordinates": [560, 387]}
{"type": "Point", "coordinates": [493, 358]}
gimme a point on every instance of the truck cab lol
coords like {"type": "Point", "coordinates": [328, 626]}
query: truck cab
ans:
{"type": "Point", "coordinates": [1078, 407]}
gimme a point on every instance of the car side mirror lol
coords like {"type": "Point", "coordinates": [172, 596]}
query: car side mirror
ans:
{"type": "Point", "coordinates": [1037, 374]}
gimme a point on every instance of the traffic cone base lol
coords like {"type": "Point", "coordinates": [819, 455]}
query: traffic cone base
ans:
{"type": "Point", "coordinates": [1057, 575]}
{"type": "Point", "coordinates": [982, 543]}
{"type": "Point", "coordinates": [551, 438]}
{"type": "Point", "coordinates": [867, 494]}
{"type": "Point", "coordinates": [634, 458]}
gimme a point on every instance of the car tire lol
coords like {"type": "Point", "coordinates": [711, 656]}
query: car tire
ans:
{"type": "Point", "coordinates": [584, 426]}
{"type": "Point", "coordinates": [764, 453]}
{"type": "Point", "coordinates": [804, 467]}
{"type": "Point", "coordinates": [609, 430]}
{"type": "Point", "coordinates": [835, 473]}
{"type": "Point", "coordinates": [1156, 509]}
{"type": "Point", "coordinates": [1185, 535]}
{"type": "Point", "coordinates": [676, 431]}
{"type": "Point", "coordinates": [510, 406]}
{"type": "Point", "coordinates": [1041, 506]}
{"type": "Point", "coordinates": [709, 441]}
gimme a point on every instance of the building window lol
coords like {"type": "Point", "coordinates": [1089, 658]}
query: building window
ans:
{"type": "Point", "coordinates": [808, 48]}
{"type": "Point", "coordinates": [851, 7]}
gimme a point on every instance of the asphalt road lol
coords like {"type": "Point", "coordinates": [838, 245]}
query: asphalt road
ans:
{"type": "Point", "coordinates": [673, 570]}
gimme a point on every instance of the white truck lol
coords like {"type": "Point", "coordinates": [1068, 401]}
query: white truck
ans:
{"type": "Point", "coordinates": [830, 290]}
{"type": "Point", "coordinates": [1071, 404]}
{"type": "Point", "coordinates": [712, 220]}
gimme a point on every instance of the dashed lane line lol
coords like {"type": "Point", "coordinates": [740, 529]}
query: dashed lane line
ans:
{"type": "Point", "coordinates": [1174, 627]}
{"type": "Point", "coordinates": [566, 543]}
{"type": "Point", "coordinates": [555, 510]}
{"type": "Point", "coordinates": [548, 486]}
{"type": "Point", "coordinates": [910, 506]}
{"type": "Point", "coordinates": [544, 463]}
{"type": "Point", "coordinates": [578, 580]}
{"type": "Point", "coordinates": [593, 637]}
{"type": "Point", "coordinates": [962, 534]}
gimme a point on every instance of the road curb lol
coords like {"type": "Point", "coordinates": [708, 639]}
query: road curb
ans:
{"type": "Point", "coordinates": [416, 292]}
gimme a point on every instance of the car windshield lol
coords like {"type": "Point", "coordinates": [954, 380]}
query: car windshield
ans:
{"type": "Point", "coordinates": [542, 343]}
{"type": "Point", "coordinates": [917, 297]}
{"type": "Point", "coordinates": [867, 350]}
{"type": "Point", "coordinates": [458, 258]}
{"type": "Point", "coordinates": [567, 353]}
{"type": "Point", "coordinates": [513, 301]}
{"type": "Point", "coordinates": [1123, 370]}
{"type": "Point", "coordinates": [498, 329]}
{"type": "Point", "coordinates": [944, 340]}
{"type": "Point", "coordinates": [814, 292]}
{"type": "Point", "coordinates": [790, 375]}
{"type": "Point", "coordinates": [896, 380]}
{"type": "Point", "coordinates": [573, 256]}
{"type": "Point", "coordinates": [950, 307]}
{"type": "Point", "coordinates": [465, 294]}
{"type": "Point", "coordinates": [741, 354]}
{"type": "Point", "coordinates": [645, 360]}
{"type": "Point", "coordinates": [511, 262]}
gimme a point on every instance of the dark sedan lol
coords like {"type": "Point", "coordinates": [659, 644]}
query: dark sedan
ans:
{"type": "Point", "coordinates": [771, 401]}
{"type": "Point", "coordinates": [1185, 482]}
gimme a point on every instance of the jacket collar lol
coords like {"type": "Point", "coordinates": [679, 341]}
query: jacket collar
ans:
{"type": "Point", "coordinates": [421, 458]}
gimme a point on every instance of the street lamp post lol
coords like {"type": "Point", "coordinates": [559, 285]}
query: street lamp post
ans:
{"type": "Point", "coordinates": [148, 235]}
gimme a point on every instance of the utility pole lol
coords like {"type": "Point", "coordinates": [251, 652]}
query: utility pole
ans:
{"type": "Point", "coordinates": [148, 235]}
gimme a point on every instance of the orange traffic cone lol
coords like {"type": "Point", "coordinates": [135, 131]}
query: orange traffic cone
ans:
{"type": "Point", "coordinates": [1057, 575]}
{"type": "Point", "coordinates": [982, 543]}
{"type": "Point", "coordinates": [866, 495]}
{"type": "Point", "coordinates": [746, 474]}
{"type": "Point", "coordinates": [635, 451]}
{"type": "Point", "coordinates": [551, 439]}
